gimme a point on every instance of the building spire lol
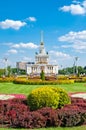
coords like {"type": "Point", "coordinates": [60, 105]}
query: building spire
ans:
{"type": "Point", "coordinates": [42, 37]}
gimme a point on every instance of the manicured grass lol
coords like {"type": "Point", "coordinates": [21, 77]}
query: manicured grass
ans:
{"type": "Point", "coordinates": [10, 88]}
{"type": "Point", "coordinates": [64, 128]}
{"type": "Point", "coordinates": [54, 128]}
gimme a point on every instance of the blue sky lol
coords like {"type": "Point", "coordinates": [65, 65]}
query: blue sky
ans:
{"type": "Point", "coordinates": [62, 21]}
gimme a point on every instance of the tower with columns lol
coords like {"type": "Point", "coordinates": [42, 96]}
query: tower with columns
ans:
{"type": "Point", "coordinates": [42, 62]}
{"type": "Point", "coordinates": [42, 57]}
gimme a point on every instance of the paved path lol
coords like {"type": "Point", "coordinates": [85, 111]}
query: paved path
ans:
{"type": "Point", "coordinates": [78, 94]}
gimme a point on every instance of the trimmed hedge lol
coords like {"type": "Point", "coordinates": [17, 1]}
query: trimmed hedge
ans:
{"type": "Point", "coordinates": [43, 97]}
{"type": "Point", "coordinates": [48, 80]}
{"type": "Point", "coordinates": [40, 82]}
{"type": "Point", "coordinates": [6, 79]}
{"type": "Point", "coordinates": [63, 97]}
{"type": "Point", "coordinates": [47, 97]}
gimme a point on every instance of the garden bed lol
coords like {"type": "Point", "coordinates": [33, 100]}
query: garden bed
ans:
{"type": "Point", "coordinates": [15, 113]}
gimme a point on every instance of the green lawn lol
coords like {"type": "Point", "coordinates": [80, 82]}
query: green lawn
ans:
{"type": "Point", "coordinates": [10, 88]}
{"type": "Point", "coordinates": [58, 128]}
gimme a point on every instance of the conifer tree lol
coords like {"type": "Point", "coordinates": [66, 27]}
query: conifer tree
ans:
{"type": "Point", "coordinates": [42, 75]}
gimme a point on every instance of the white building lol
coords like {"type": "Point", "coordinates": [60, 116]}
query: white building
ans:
{"type": "Point", "coordinates": [42, 63]}
{"type": "Point", "coordinates": [21, 65]}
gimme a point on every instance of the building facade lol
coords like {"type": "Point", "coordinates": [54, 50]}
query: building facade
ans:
{"type": "Point", "coordinates": [41, 63]}
{"type": "Point", "coordinates": [21, 65]}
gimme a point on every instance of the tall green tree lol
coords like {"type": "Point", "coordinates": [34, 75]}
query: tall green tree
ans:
{"type": "Point", "coordinates": [42, 75]}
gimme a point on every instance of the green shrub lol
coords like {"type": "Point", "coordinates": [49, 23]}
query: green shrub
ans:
{"type": "Point", "coordinates": [47, 97]}
{"type": "Point", "coordinates": [65, 81]}
{"type": "Point", "coordinates": [63, 96]}
{"type": "Point", "coordinates": [42, 97]}
{"type": "Point", "coordinates": [6, 79]}
{"type": "Point", "coordinates": [41, 82]}
{"type": "Point", "coordinates": [62, 77]}
{"type": "Point", "coordinates": [80, 80]}
{"type": "Point", "coordinates": [42, 75]}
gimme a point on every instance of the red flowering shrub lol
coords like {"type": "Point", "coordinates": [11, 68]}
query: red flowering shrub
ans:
{"type": "Point", "coordinates": [73, 114]}
{"type": "Point", "coordinates": [51, 116]}
{"type": "Point", "coordinates": [26, 119]}
{"type": "Point", "coordinates": [83, 116]}
{"type": "Point", "coordinates": [68, 118]}
{"type": "Point", "coordinates": [72, 107]}
{"type": "Point", "coordinates": [9, 106]}
{"type": "Point", "coordinates": [77, 100]}
{"type": "Point", "coordinates": [15, 113]}
{"type": "Point", "coordinates": [37, 120]}
{"type": "Point", "coordinates": [82, 106]}
{"type": "Point", "coordinates": [18, 100]}
{"type": "Point", "coordinates": [80, 102]}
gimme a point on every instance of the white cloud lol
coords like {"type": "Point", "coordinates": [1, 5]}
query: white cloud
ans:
{"type": "Point", "coordinates": [60, 54]}
{"type": "Point", "coordinates": [60, 58]}
{"type": "Point", "coordinates": [32, 19]}
{"type": "Point", "coordinates": [27, 59]}
{"type": "Point", "coordinates": [77, 40]}
{"type": "Point", "coordinates": [80, 46]}
{"type": "Point", "coordinates": [84, 4]}
{"type": "Point", "coordinates": [25, 45]}
{"type": "Point", "coordinates": [11, 24]}
{"type": "Point", "coordinates": [12, 51]}
{"type": "Point", "coordinates": [76, 2]}
{"type": "Point", "coordinates": [73, 36]}
{"type": "Point", "coordinates": [77, 8]}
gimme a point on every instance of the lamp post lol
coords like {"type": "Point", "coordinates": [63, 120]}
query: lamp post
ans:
{"type": "Point", "coordinates": [75, 69]}
{"type": "Point", "coordinates": [6, 71]}
{"type": "Point", "coordinates": [76, 59]}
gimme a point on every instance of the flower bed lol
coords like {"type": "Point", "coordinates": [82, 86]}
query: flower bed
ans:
{"type": "Point", "coordinates": [15, 113]}
{"type": "Point", "coordinates": [40, 82]}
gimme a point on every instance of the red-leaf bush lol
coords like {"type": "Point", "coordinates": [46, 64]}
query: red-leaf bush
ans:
{"type": "Point", "coordinates": [73, 114]}
{"type": "Point", "coordinates": [12, 106]}
{"type": "Point", "coordinates": [68, 118]}
{"type": "Point", "coordinates": [77, 100]}
{"type": "Point", "coordinates": [15, 113]}
{"type": "Point", "coordinates": [50, 115]}
{"type": "Point", "coordinates": [26, 119]}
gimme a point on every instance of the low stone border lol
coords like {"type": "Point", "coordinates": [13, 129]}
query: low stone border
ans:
{"type": "Point", "coordinates": [11, 96]}
{"type": "Point", "coordinates": [78, 95]}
